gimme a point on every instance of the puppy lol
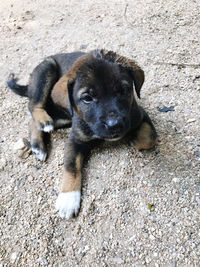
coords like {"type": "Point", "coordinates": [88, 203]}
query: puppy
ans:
{"type": "Point", "coordinates": [94, 93]}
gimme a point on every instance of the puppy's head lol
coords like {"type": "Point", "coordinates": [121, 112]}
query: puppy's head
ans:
{"type": "Point", "coordinates": [101, 93]}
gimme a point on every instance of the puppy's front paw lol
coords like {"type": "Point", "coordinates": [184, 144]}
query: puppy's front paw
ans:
{"type": "Point", "coordinates": [38, 149]}
{"type": "Point", "coordinates": [43, 121]}
{"type": "Point", "coordinates": [46, 127]}
{"type": "Point", "coordinates": [68, 204]}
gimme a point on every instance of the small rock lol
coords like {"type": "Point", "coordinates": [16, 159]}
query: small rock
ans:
{"type": "Point", "coordinates": [197, 198]}
{"type": "Point", "coordinates": [13, 257]}
{"type": "Point", "coordinates": [122, 163]}
{"type": "Point", "coordinates": [44, 261]}
{"type": "Point", "coordinates": [166, 109]}
{"type": "Point", "coordinates": [175, 180]}
{"type": "Point", "coordinates": [37, 167]}
{"type": "Point", "coordinates": [151, 207]}
{"type": "Point", "coordinates": [53, 192]}
{"type": "Point", "coordinates": [191, 120]}
{"type": "Point", "coordinates": [19, 145]}
{"type": "Point", "coordinates": [30, 178]}
{"type": "Point", "coordinates": [22, 147]}
{"type": "Point", "coordinates": [87, 248]}
{"type": "Point", "coordinates": [83, 46]}
{"type": "Point", "coordinates": [18, 183]}
{"type": "Point", "coordinates": [196, 77]}
{"type": "Point", "coordinates": [197, 153]}
{"type": "Point", "coordinates": [39, 200]}
{"type": "Point", "coordinates": [197, 188]}
{"type": "Point", "coordinates": [3, 163]}
{"type": "Point", "coordinates": [117, 260]}
{"type": "Point", "coordinates": [174, 263]}
{"type": "Point", "coordinates": [152, 237]}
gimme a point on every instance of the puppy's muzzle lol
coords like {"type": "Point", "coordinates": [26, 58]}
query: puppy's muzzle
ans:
{"type": "Point", "coordinates": [114, 126]}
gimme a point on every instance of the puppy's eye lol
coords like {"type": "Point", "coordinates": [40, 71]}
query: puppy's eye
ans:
{"type": "Point", "coordinates": [86, 98]}
{"type": "Point", "coordinates": [126, 88]}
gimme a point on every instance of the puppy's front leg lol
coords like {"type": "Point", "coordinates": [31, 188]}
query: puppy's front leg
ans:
{"type": "Point", "coordinates": [68, 201]}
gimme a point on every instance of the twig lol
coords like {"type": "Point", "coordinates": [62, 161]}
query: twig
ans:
{"type": "Point", "coordinates": [125, 16]}
{"type": "Point", "coordinates": [179, 65]}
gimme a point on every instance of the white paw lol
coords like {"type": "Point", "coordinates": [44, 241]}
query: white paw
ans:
{"type": "Point", "coordinates": [68, 204]}
{"type": "Point", "coordinates": [41, 155]}
{"type": "Point", "coordinates": [47, 128]}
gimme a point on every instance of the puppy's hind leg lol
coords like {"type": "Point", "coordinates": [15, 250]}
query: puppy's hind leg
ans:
{"type": "Point", "coordinates": [146, 136]}
{"type": "Point", "coordinates": [38, 141]}
{"type": "Point", "coordinates": [41, 82]}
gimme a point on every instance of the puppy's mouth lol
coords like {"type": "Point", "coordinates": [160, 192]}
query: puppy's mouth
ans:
{"type": "Point", "coordinates": [113, 137]}
{"type": "Point", "coordinates": [110, 138]}
{"type": "Point", "coordinates": [113, 130]}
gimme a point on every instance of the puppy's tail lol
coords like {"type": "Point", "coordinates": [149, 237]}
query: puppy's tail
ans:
{"type": "Point", "coordinates": [21, 90]}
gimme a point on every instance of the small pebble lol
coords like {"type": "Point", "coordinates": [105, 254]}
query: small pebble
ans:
{"type": "Point", "coordinates": [117, 260]}
{"type": "Point", "coordinates": [53, 192]}
{"type": "Point", "coordinates": [197, 153]}
{"type": "Point", "coordinates": [175, 180]}
{"type": "Point", "coordinates": [37, 167]}
{"type": "Point", "coordinates": [3, 163]}
{"type": "Point", "coordinates": [13, 257]}
{"type": "Point", "coordinates": [83, 46]}
{"type": "Point", "coordinates": [19, 145]}
{"type": "Point", "coordinates": [166, 109]}
{"type": "Point", "coordinates": [152, 237]}
{"type": "Point", "coordinates": [191, 120]}
{"type": "Point", "coordinates": [44, 261]}
{"type": "Point", "coordinates": [151, 207]}
{"type": "Point", "coordinates": [30, 178]}
{"type": "Point", "coordinates": [197, 188]}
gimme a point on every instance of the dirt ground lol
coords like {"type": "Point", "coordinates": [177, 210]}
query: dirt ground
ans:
{"type": "Point", "coordinates": [138, 208]}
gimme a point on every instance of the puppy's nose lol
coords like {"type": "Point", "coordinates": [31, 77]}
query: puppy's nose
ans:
{"type": "Point", "coordinates": [113, 123]}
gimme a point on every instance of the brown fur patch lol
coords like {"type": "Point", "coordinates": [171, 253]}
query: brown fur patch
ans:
{"type": "Point", "coordinates": [60, 92]}
{"type": "Point", "coordinates": [40, 115]}
{"type": "Point", "coordinates": [145, 138]}
{"type": "Point", "coordinates": [35, 133]}
{"type": "Point", "coordinates": [72, 181]}
{"type": "Point", "coordinates": [60, 88]}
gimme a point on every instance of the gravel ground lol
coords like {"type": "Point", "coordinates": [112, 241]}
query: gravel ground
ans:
{"type": "Point", "coordinates": [138, 208]}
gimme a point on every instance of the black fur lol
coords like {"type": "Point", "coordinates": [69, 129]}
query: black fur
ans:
{"type": "Point", "coordinates": [21, 90]}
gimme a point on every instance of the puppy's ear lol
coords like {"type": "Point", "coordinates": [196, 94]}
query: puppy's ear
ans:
{"type": "Point", "coordinates": [137, 75]}
{"type": "Point", "coordinates": [59, 92]}
{"type": "Point", "coordinates": [130, 66]}
{"type": "Point", "coordinates": [70, 86]}
{"type": "Point", "coordinates": [62, 93]}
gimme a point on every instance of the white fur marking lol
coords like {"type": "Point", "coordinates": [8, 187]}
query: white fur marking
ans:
{"type": "Point", "coordinates": [47, 128]}
{"type": "Point", "coordinates": [68, 204]}
{"type": "Point", "coordinates": [41, 155]}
